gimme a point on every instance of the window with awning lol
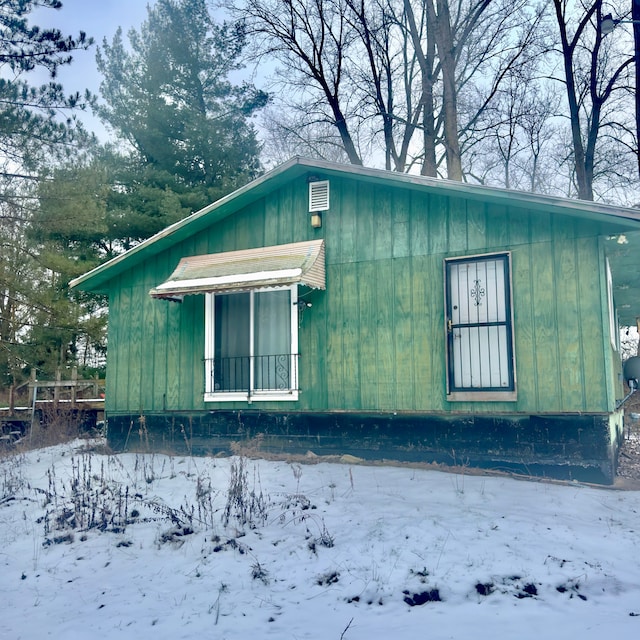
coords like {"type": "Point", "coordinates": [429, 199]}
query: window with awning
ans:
{"type": "Point", "coordinates": [251, 309]}
{"type": "Point", "coordinates": [251, 350]}
{"type": "Point", "coordinates": [247, 270]}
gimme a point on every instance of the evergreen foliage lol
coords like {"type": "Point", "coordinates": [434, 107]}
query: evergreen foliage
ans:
{"type": "Point", "coordinates": [30, 124]}
{"type": "Point", "coordinates": [186, 140]}
{"type": "Point", "coordinates": [170, 98]}
{"type": "Point", "coordinates": [37, 126]}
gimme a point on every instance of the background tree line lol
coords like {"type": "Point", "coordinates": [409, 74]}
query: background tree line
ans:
{"type": "Point", "coordinates": [521, 94]}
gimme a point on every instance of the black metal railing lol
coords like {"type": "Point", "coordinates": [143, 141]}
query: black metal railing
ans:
{"type": "Point", "coordinates": [253, 373]}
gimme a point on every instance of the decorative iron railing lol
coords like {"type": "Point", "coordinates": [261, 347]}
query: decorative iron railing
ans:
{"type": "Point", "coordinates": [253, 373]}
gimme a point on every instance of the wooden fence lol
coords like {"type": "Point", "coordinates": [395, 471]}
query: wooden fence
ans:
{"type": "Point", "coordinates": [73, 390]}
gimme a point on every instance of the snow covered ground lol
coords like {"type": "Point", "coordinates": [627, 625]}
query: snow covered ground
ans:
{"type": "Point", "coordinates": [150, 546]}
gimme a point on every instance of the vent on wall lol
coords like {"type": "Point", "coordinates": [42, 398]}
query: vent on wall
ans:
{"type": "Point", "coordinates": [319, 195]}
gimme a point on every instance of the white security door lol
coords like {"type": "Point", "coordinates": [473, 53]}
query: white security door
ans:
{"type": "Point", "coordinates": [479, 332]}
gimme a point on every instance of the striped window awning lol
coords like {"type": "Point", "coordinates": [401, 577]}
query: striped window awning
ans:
{"type": "Point", "coordinates": [249, 269]}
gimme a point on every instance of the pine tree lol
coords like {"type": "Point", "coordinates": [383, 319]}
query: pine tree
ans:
{"type": "Point", "coordinates": [30, 124]}
{"type": "Point", "coordinates": [36, 125]}
{"type": "Point", "coordinates": [169, 96]}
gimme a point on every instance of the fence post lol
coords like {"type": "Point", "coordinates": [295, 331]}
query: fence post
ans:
{"type": "Point", "coordinates": [56, 389]}
{"type": "Point", "coordinates": [34, 393]}
{"type": "Point", "coordinates": [32, 385]}
{"type": "Point", "coordinates": [74, 382]}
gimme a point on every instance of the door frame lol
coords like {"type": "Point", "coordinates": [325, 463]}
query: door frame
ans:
{"type": "Point", "coordinates": [488, 395]}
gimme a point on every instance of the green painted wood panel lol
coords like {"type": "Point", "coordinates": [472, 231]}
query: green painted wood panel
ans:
{"type": "Point", "coordinates": [332, 365]}
{"type": "Point", "coordinates": [571, 366]}
{"type": "Point", "coordinates": [271, 222]}
{"type": "Point", "coordinates": [347, 310]}
{"type": "Point", "coordinates": [401, 231]}
{"type": "Point", "coordinates": [121, 330]}
{"type": "Point", "coordinates": [518, 224]}
{"type": "Point", "coordinates": [591, 319]}
{"type": "Point", "coordinates": [340, 225]}
{"type": "Point", "coordinates": [385, 329]}
{"type": "Point", "coordinates": [476, 232]}
{"type": "Point", "coordinates": [301, 218]}
{"type": "Point", "coordinates": [115, 353]}
{"type": "Point", "coordinates": [366, 220]}
{"type": "Point", "coordinates": [367, 300]}
{"type": "Point", "coordinates": [420, 219]}
{"type": "Point", "coordinates": [458, 226]}
{"type": "Point", "coordinates": [382, 233]}
{"type": "Point", "coordinates": [222, 235]}
{"type": "Point", "coordinates": [251, 234]}
{"type": "Point", "coordinates": [133, 334]}
{"type": "Point", "coordinates": [545, 367]}
{"type": "Point", "coordinates": [172, 338]}
{"type": "Point", "coordinates": [191, 371]}
{"type": "Point", "coordinates": [497, 230]}
{"type": "Point", "coordinates": [286, 214]}
{"type": "Point", "coordinates": [404, 392]}
{"type": "Point", "coordinates": [427, 335]}
{"type": "Point", "coordinates": [524, 325]}
{"type": "Point", "coordinates": [375, 339]}
{"type": "Point", "coordinates": [148, 391]}
{"type": "Point", "coordinates": [611, 358]}
{"type": "Point", "coordinates": [160, 353]}
{"type": "Point", "coordinates": [436, 337]}
{"type": "Point", "coordinates": [313, 340]}
{"type": "Point", "coordinates": [438, 220]}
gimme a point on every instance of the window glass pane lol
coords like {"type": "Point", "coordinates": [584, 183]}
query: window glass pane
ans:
{"type": "Point", "coordinates": [231, 346]}
{"type": "Point", "coordinates": [272, 339]}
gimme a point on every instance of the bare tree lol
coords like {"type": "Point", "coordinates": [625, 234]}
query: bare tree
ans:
{"type": "Point", "coordinates": [425, 55]}
{"type": "Point", "coordinates": [386, 75]}
{"type": "Point", "coordinates": [382, 70]}
{"type": "Point", "coordinates": [512, 118]}
{"type": "Point", "coordinates": [629, 342]}
{"type": "Point", "coordinates": [444, 34]}
{"type": "Point", "coordinates": [312, 39]}
{"type": "Point", "coordinates": [436, 82]}
{"type": "Point", "coordinates": [292, 130]}
{"type": "Point", "coordinates": [343, 62]}
{"type": "Point", "coordinates": [591, 76]}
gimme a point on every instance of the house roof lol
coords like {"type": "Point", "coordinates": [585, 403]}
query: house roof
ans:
{"type": "Point", "coordinates": [620, 222]}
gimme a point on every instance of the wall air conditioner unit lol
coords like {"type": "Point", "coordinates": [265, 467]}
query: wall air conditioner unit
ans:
{"type": "Point", "coordinates": [319, 196]}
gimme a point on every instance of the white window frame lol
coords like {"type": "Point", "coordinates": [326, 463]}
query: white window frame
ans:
{"type": "Point", "coordinates": [210, 395]}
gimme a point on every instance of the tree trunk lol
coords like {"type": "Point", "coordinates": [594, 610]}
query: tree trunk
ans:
{"type": "Point", "coordinates": [429, 164]}
{"type": "Point", "coordinates": [585, 189]}
{"type": "Point", "coordinates": [426, 63]}
{"type": "Point", "coordinates": [345, 136]}
{"type": "Point", "coordinates": [444, 39]}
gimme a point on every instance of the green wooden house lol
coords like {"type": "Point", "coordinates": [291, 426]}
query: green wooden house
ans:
{"type": "Point", "coordinates": [338, 309]}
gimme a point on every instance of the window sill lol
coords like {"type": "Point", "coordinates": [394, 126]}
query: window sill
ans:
{"type": "Point", "coordinates": [260, 396]}
{"type": "Point", "coordinates": [482, 396]}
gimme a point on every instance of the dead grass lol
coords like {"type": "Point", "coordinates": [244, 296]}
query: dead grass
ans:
{"type": "Point", "coordinates": [55, 426]}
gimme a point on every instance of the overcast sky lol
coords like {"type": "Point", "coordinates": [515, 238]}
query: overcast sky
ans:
{"type": "Point", "coordinates": [98, 19]}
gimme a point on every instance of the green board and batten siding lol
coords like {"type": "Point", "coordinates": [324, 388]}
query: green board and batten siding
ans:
{"type": "Point", "coordinates": [374, 340]}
